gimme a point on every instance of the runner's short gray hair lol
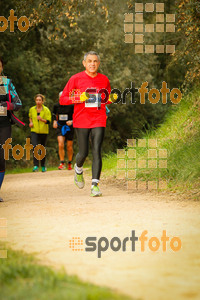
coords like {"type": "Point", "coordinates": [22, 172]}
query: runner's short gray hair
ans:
{"type": "Point", "coordinates": [91, 53]}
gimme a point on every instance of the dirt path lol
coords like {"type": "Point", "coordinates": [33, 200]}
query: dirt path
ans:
{"type": "Point", "coordinates": [45, 211]}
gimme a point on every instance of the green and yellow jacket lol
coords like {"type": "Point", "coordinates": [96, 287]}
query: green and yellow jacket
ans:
{"type": "Point", "coordinates": [39, 126]}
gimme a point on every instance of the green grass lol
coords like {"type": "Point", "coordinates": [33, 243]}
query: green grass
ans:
{"type": "Point", "coordinates": [110, 164]}
{"type": "Point", "coordinates": [27, 170]}
{"type": "Point", "coordinates": [180, 135]}
{"type": "Point", "coordinates": [21, 277]}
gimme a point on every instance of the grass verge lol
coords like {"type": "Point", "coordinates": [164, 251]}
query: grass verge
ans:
{"type": "Point", "coordinates": [27, 170]}
{"type": "Point", "coordinates": [180, 135]}
{"type": "Point", "coordinates": [21, 277]}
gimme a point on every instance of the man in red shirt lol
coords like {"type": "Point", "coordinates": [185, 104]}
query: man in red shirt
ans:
{"type": "Point", "coordinates": [88, 91]}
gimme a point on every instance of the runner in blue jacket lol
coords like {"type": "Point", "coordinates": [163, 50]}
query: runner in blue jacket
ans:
{"type": "Point", "coordinates": [9, 102]}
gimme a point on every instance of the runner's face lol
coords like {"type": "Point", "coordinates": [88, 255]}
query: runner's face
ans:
{"type": "Point", "coordinates": [91, 64]}
{"type": "Point", "coordinates": [39, 101]}
{"type": "Point", "coordinates": [1, 67]}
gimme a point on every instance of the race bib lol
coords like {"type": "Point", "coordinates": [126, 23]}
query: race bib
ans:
{"type": "Point", "coordinates": [3, 111]}
{"type": "Point", "coordinates": [63, 117]}
{"type": "Point", "coordinates": [93, 101]}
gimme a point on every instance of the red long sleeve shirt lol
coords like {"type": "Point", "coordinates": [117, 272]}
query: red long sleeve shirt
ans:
{"type": "Point", "coordinates": [86, 114]}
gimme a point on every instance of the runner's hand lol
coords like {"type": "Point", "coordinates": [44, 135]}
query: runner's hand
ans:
{"type": "Point", "coordinates": [8, 105]}
{"type": "Point", "coordinates": [55, 124]}
{"type": "Point", "coordinates": [69, 123]}
{"type": "Point", "coordinates": [84, 96]}
{"type": "Point", "coordinates": [113, 97]}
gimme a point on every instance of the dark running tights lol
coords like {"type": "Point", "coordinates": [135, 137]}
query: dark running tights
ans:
{"type": "Point", "coordinates": [5, 133]}
{"type": "Point", "coordinates": [36, 139]}
{"type": "Point", "coordinates": [97, 135]}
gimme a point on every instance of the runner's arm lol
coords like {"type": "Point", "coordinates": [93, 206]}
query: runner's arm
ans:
{"type": "Point", "coordinates": [47, 117]}
{"type": "Point", "coordinates": [67, 97]}
{"type": "Point", "coordinates": [112, 97]}
{"type": "Point", "coordinates": [107, 100]}
{"type": "Point", "coordinates": [30, 123]}
{"type": "Point", "coordinates": [15, 103]}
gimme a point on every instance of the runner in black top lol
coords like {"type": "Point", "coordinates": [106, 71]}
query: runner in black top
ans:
{"type": "Point", "coordinates": [62, 122]}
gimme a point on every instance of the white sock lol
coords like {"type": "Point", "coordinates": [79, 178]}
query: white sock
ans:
{"type": "Point", "coordinates": [79, 170]}
{"type": "Point", "coordinates": [95, 182]}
